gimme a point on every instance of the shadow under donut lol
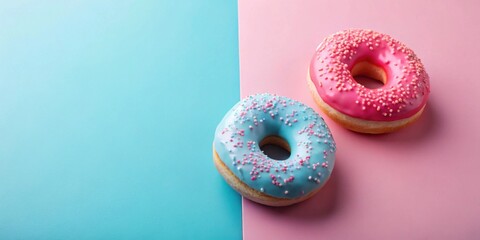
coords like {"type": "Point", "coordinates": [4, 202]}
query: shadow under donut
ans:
{"type": "Point", "coordinates": [321, 206]}
{"type": "Point", "coordinates": [426, 127]}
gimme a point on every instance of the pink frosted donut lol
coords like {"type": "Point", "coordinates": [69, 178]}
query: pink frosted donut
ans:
{"type": "Point", "coordinates": [347, 54]}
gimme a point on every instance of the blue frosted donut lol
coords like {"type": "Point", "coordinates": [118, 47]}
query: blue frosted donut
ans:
{"type": "Point", "coordinates": [282, 121]}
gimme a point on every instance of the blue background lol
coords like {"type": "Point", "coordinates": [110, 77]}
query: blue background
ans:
{"type": "Point", "coordinates": [107, 116]}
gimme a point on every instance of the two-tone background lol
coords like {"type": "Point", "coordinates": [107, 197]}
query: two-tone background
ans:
{"type": "Point", "coordinates": [108, 110]}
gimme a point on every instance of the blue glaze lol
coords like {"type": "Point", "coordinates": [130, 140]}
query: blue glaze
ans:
{"type": "Point", "coordinates": [312, 146]}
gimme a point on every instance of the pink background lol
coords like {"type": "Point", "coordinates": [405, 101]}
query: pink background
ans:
{"type": "Point", "coordinates": [422, 182]}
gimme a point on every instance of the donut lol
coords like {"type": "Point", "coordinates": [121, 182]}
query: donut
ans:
{"type": "Point", "coordinates": [263, 119]}
{"type": "Point", "coordinates": [351, 53]}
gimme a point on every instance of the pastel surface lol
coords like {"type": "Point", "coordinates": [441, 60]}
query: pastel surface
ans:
{"type": "Point", "coordinates": [418, 183]}
{"type": "Point", "coordinates": [99, 101]}
{"type": "Point", "coordinates": [239, 134]}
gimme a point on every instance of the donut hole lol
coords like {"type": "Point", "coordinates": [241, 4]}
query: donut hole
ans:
{"type": "Point", "coordinates": [369, 75]}
{"type": "Point", "coordinates": [275, 147]}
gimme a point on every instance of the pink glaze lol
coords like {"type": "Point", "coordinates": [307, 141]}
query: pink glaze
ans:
{"type": "Point", "coordinates": [404, 93]}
